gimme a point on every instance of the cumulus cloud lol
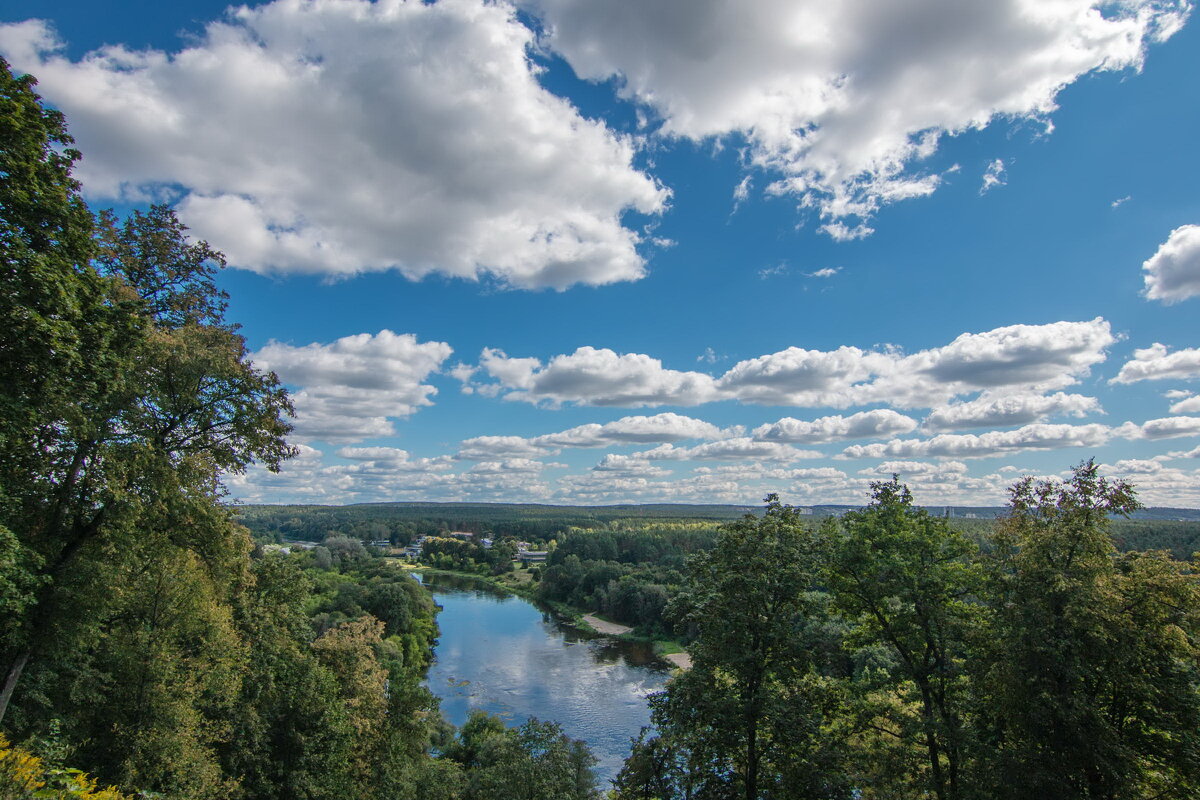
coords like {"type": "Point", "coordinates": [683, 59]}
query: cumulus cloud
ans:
{"type": "Point", "coordinates": [352, 388]}
{"type": "Point", "coordinates": [1034, 358]}
{"type": "Point", "coordinates": [1037, 356]}
{"type": "Point", "coordinates": [664, 428]}
{"type": "Point", "coordinates": [1173, 272]}
{"type": "Point", "coordinates": [863, 425]}
{"type": "Point", "coordinates": [740, 448]}
{"type": "Point", "coordinates": [493, 447]}
{"type": "Point", "coordinates": [337, 136]}
{"type": "Point", "coordinates": [990, 411]}
{"type": "Point", "coordinates": [598, 376]}
{"type": "Point", "coordinates": [629, 466]}
{"type": "Point", "coordinates": [1191, 405]}
{"type": "Point", "coordinates": [1171, 427]}
{"type": "Point", "coordinates": [1030, 437]}
{"type": "Point", "coordinates": [842, 101]}
{"type": "Point", "coordinates": [659, 428]}
{"type": "Point", "coordinates": [395, 459]}
{"type": "Point", "coordinates": [1156, 363]}
{"type": "Point", "coordinates": [914, 469]}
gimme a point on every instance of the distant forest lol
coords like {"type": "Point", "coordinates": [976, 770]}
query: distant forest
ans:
{"type": "Point", "coordinates": [1174, 529]}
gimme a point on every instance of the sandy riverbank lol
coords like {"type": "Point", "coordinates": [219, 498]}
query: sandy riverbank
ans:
{"type": "Point", "coordinates": [681, 660]}
{"type": "Point", "coordinates": [607, 628]}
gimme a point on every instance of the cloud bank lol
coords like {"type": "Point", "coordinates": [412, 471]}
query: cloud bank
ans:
{"type": "Point", "coordinates": [342, 136]}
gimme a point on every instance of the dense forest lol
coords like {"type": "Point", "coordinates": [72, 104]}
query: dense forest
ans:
{"type": "Point", "coordinates": [153, 643]}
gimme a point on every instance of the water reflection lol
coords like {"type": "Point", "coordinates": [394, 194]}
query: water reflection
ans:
{"type": "Point", "coordinates": [502, 654]}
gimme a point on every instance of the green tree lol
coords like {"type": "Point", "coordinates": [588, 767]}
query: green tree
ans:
{"type": "Point", "coordinates": [129, 396]}
{"type": "Point", "coordinates": [533, 762]}
{"type": "Point", "coordinates": [753, 717]}
{"type": "Point", "coordinates": [907, 583]}
{"type": "Point", "coordinates": [1093, 680]}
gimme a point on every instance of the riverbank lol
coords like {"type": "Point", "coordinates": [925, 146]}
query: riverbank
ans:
{"type": "Point", "coordinates": [520, 582]}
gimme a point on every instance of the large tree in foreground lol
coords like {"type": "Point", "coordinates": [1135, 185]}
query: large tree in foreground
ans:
{"type": "Point", "coordinates": [125, 394]}
{"type": "Point", "coordinates": [908, 584]}
{"type": "Point", "coordinates": [1092, 682]}
{"type": "Point", "coordinates": [754, 716]}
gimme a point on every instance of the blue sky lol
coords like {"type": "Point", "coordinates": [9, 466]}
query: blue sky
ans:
{"type": "Point", "coordinates": [574, 252]}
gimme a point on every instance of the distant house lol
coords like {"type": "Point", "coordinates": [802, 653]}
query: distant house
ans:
{"type": "Point", "coordinates": [461, 534]}
{"type": "Point", "coordinates": [533, 556]}
{"type": "Point", "coordinates": [487, 543]}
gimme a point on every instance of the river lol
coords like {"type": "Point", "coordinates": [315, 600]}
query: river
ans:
{"type": "Point", "coordinates": [502, 654]}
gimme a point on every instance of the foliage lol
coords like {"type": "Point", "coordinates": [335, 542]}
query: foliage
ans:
{"type": "Point", "coordinates": [906, 582]}
{"type": "Point", "coordinates": [532, 762]}
{"type": "Point", "coordinates": [1091, 688]}
{"type": "Point", "coordinates": [24, 776]}
{"type": "Point", "coordinates": [753, 717]}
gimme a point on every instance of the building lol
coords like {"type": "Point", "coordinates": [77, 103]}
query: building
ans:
{"type": "Point", "coordinates": [532, 556]}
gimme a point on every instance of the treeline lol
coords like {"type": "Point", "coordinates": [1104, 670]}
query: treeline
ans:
{"type": "Point", "coordinates": [884, 654]}
{"type": "Point", "coordinates": [627, 572]}
{"type": "Point", "coordinates": [401, 522]}
{"type": "Point", "coordinates": [144, 639]}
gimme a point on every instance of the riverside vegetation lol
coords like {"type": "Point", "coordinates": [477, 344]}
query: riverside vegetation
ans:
{"type": "Point", "coordinates": [149, 643]}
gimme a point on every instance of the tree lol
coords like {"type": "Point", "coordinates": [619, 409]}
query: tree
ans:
{"type": "Point", "coordinates": [533, 762]}
{"type": "Point", "coordinates": [1093, 679]}
{"type": "Point", "coordinates": [908, 583]}
{"type": "Point", "coordinates": [751, 718]}
{"type": "Point", "coordinates": [129, 396]}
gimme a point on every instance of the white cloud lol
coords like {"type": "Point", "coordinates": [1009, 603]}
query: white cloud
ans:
{"type": "Point", "coordinates": [826, 272]}
{"type": "Point", "coordinates": [658, 428]}
{"type": "Point", "coordinates": [485, 448]}
{"type": "Point", "coordinates": [1133, 466]}
{"type": "Point", "coordinates": [1039, 357]}
{"type": "Point", "coordinates": [600, 377]}
{"type": "Point", "coordinates": [993, 176]}
{"type": "Point", "coordinates": [842, 101]}
{"type": "Point", "coordinates": [915, 469]}
{"type": "Point", "coordinates": [1034, 358]}
{"type": "Point", "coordinates": [1120, 201]}
{"type": "Point", "coordinates": [736, 449]}
{"type": "Point", "coordinates": [990, 411]}
{"type": "Point", "coordinates": [947, 445]}
{"type": "Point", "coordinates": [800, 377]}
{"type": "Point", "coordinates": [340, 136]}
{"type": "Point", "coordinates": [629, 466]}
{"type": "Point", "coordinates": [1171, 427]}
{"type": "Point", "coordinates": [1155, 363]}
{"type": "Point", "coordinates": [863, 425]}
{"type": "Point", "coordinates": [351, 388]}
{"type": "Point", "coordinates": [1173, 272]}
{"type": "Point", "coordinates": [395, 459]}
{"type": "Point", "coordinates": [1189, 406]}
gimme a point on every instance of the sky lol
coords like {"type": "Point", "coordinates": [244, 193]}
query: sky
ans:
{"type": "Point", "coordinates": [694, 251]}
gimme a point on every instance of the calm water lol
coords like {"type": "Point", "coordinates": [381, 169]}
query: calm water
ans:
{"type": "Point", "coordinates": [503, 655]}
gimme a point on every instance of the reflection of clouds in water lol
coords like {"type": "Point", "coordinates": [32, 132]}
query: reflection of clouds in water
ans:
{"type": "Point", "coordinates": [519, 663]}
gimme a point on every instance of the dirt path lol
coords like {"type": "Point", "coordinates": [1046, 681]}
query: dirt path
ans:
{"type": "Point", "coordinates": [609, 628]}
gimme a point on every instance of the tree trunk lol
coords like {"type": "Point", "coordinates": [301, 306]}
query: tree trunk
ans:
{"type": "Point", "coordinates": [10, 680]}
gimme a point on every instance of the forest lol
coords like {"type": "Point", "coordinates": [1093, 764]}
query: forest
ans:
{"type": "Point", "coordinates": [153, 646]}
